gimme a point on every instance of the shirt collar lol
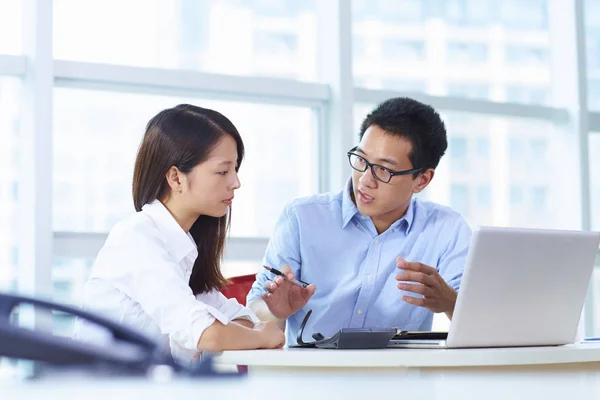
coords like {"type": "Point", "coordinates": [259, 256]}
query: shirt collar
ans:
{"type": "Point", "coordinates": [349, 209]}
{"type": "Point", "coordinates": [409, 215]}
{"type": "Point", "coordinates": [179, 243]}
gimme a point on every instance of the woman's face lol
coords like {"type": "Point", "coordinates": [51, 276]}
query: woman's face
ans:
{"type": "Point", "coordinates": [209, 187]}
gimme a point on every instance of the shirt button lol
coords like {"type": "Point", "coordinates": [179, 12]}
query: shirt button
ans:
{"type": "Point", "coordinates": [368, 278]}
{"type": "Point", "coordinates": [357, 225]}
{"type": "Point", "coordinates": [359, 311]}
{"type": "Point", "coordinates": [376, 241]}
{"type": "Point", "coordinates": [364, 217]}
{"type": "Point", "coordinates": [395, 229]}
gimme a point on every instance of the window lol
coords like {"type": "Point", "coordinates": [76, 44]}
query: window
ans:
{"type": "Point", "coordinates": [527, 95]}
{"type": "Point", "coordinates": [594, 92]}
{"type": "Point", "coordinates": [482, 147]}
{"type": "Point", "coordinates": [403, 85]}
{"type": "Point", "coordinates": [68, 277]}
{"type": "Point", "coordinates": [279, 8]}
{"type": "Point", "coordinates": [459, 160]}
{"type": "Point", "coordinates": [458, 147]}
{"type": "Point", "coordinates": [188, 34]}
{"type": "Point", "coordinates": [10, 26]}
{"type": "Point", "coordinates": [592, 38]}
{"type": "Point", "coordinates": [275, 44]}
{"type": "Point", "coordinates": [484, 196]}
{"type": "Point", "coordinates": [9, 147]}
{"type": "Point", "coordinates": [539, 198]}
{"type": "Point", "coordinates": [405, 10]}
{"type": "Point", "coordinates": [454, 48]}
{"type": "Point", "coordinates": [515, 149]}
{"type": "Point", "coordinates": [459, 198]}
{"type": "Point", "coordinates": [395, 49]}
{"type": "Point", "coordinates": [468, 90]}
{"type": "Point", "coordinates": [470, 12]}
{"type": "Point", "coordinates": [516, 195]}
{"type": "Point", "coordinates": [467, 52]}
{"type": "Point", "coordinates": [530, 14]}
{"type": "Point", "coordinates": [93, 121]}
{"type": "Point", "coordinates": [538, 148]}
{"type": "Point", "coordinates": [518, 54]}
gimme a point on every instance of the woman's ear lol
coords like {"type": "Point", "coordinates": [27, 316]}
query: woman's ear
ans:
{"type": "Point", "coordinates": [175, 179]}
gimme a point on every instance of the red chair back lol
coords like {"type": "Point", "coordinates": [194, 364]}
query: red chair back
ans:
{"type": "Point", "coordinates": [238, 288]}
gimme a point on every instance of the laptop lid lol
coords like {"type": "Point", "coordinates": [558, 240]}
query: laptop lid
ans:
{"type": "Point", "coordinates": [523, 287]}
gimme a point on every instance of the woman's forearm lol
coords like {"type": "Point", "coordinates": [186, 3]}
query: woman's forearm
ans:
{"type": "Point", "coordinates": [233, 336]}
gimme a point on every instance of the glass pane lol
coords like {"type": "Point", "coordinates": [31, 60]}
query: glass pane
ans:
{"type": "Point", "coordinates": [68, 277]}
{"type": "Point", "coordinates": [484, 49]}
{"type": "Point", "coordinates": [96, 138]}
{"type": "Point", "coordinates": [502, 171]}
{"type": "Point", "coordinates": [592, 21]}
{"type": "Point", "coordinates": [9, 188]}
{"type": "Point", "coordinates": [10, 26]}
{"type": "Point", "coordinates": [238, 37]}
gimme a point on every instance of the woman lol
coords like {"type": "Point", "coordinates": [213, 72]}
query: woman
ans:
{"type": "Point", "coordinates": [159, 270]}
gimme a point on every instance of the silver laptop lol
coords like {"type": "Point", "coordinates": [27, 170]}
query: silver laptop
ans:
{"type": "Point", "coordinates": [521, 287]}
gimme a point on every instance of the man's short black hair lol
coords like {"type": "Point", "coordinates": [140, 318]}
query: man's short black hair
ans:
{"type": "Point", "coordinates": [415, 121]}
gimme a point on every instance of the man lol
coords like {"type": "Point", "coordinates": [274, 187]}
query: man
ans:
{"type": "Point", "coordinates": [374, 255]}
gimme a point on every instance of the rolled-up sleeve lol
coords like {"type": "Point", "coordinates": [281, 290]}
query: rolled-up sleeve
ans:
{"type": "Point", "coordinates": [452, 262]}
{"type": "Point", "coordinates": [150, 277]}
{"type": "Point", "coordinates": [228, 307]}
{"type": "Point", "coordinates": [283, 249]}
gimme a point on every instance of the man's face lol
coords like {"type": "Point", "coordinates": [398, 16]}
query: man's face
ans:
{"type": "Point", "coordinates": [386, 202]}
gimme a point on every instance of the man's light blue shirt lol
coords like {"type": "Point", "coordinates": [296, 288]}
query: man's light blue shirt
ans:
{"type": "Point", "coordinates": [326, 241]}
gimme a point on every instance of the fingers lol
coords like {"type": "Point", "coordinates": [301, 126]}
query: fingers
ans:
{"type": "Point", "coordinates": [309, 291]}
{"type": "Point", "coordinates": [418, 289]}
{"type": "Point", "coordinates": [276, 283]}
{"type": "Point", "coordinates": [415, 266]}
{"type": "Point", "coordinates": [288, 272]}
{"type": "Point", "coordinates": [415, 301]}
{"type": "Point", "coordinates": [271, 286]}
{"type": "Point", "coordinates": [419, 277]}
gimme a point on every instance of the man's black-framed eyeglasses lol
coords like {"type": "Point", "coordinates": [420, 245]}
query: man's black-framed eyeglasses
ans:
{"type": "Point", "coordinates": [381, 173]}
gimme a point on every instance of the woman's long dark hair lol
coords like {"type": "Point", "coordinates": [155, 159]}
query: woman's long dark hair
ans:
{"type": "Point", "coordinates": [184, 136]}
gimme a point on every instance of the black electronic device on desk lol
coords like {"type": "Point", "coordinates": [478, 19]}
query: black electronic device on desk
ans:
{"type": "Point", "coordinates": [363, 338]}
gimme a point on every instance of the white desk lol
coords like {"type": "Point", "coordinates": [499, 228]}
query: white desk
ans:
{"type": "Point", "coordinates": [463, 386]}
{"type": "Point", "coordinates": [575, 357]}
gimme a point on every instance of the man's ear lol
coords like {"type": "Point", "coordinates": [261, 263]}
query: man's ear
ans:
{"type": "Point", "coordinates": [423, 180]}
{"type": "Point", "coordinates": [174, 179]}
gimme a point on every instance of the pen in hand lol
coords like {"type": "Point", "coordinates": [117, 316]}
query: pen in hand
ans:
{"type": "Point", "coordinates": [296, 282]}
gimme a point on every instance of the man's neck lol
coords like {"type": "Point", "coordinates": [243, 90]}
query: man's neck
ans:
{"type": "Point", "coordinates": [384, 222]}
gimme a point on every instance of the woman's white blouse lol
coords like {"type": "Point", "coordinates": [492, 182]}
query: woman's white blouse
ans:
{"type": "Point", "coordinates": [141, 279]}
